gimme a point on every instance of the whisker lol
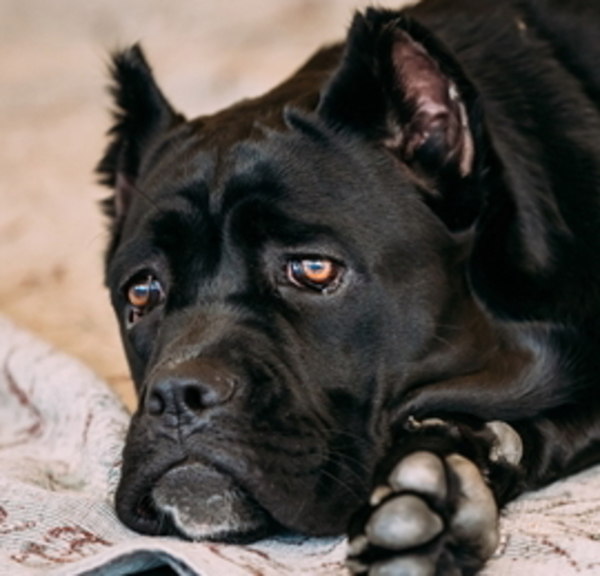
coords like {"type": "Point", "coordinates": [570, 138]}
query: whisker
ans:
{"type": "Point", "coordinates": [341, 483]}
{"type": "Point", "coordinates": [344, 458]}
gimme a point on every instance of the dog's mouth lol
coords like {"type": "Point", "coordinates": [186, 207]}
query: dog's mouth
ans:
{"type": "Point", "coordinates": [197, 502]}
{"type": "Point", "coordinates": [204, 504]}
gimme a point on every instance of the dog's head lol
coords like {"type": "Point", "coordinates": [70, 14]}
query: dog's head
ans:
{"type": "Point", "coordinates": [285, 273]}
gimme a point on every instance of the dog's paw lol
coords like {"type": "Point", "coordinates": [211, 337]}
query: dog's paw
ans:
{"type": "Point", "coordinates": [435, 516]}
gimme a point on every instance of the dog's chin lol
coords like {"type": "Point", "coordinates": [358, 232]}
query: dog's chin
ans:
{"type": "Point", "coordinates": [203, 504]}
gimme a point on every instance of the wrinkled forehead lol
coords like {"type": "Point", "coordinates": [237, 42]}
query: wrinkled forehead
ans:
{"type": "Point", "coordinates": [318, 176]}
{"type": "Point", "coordinates": [306, 173]}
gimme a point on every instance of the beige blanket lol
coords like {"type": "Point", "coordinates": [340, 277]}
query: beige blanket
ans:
{"type": "Point", "coordinates": [61, 433]}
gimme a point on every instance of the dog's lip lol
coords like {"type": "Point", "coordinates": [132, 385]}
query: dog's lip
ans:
{"type": "Point", "coordinates": [134, 505]}
{"type": "Point", "coordinates": [204, 503]}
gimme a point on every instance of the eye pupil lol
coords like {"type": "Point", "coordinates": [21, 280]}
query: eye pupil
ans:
{"type": "Point", "coordinates": [143, 295]}
{"type": "Point", "coordinates": [316, 270]}
{"type": "Point", "coordinates": [140, 294]}
{"type": "Point", "coordinates": [318, 274]}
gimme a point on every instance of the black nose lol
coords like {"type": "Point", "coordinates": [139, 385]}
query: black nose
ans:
{"type": "Point", "coordinates": [190, 388]}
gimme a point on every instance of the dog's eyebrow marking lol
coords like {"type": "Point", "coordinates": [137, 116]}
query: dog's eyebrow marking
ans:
{"type": "Point", "coordinates": [173, 227]}
{"type": "Point", "coordinates": [261, 183]}
{"type": "Point", "coordinates": [197, 195]}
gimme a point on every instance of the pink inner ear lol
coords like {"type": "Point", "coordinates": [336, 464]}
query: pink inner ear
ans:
{"type": "Point", "coordinates": [124, 190]}
{"type": "Point", "coordinates": [437, 111]}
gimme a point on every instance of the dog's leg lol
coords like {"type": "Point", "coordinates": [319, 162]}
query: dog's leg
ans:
{"type": "Point", "coordinates": [435, 512]}
{"type": "Point", "coordinates": [434, 508]}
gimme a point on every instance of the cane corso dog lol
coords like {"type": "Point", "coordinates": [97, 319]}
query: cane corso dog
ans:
{"type": "Point", "coordinates": [369, 300]}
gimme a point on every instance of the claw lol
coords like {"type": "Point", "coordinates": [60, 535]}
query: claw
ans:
{"type": "Point", "coordinates": [356, 566]}
{"type": "Point", "coordinates": [358, 545]}
{"type": "Point", "coordinates": [379, 495]}
{"type": "Point", "coordinates": [508, 445]}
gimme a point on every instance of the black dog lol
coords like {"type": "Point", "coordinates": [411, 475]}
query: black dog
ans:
{"type": "Point", "coordinates": [373, 293]}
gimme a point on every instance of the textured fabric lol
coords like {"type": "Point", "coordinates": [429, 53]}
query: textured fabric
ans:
{"type": "Point", "coordinates": [61, 434]}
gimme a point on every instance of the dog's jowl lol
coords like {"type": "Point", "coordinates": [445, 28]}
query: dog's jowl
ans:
{"type": "Point", "coordinates": [369, 300]}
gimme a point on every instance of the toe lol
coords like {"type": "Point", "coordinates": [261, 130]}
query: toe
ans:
{"type": "Point", "coordinates": [476, 518]}
{"type": "Point", "coordinates": [421, 472]}
{"type": "Point", "coordinates": [404, 566]}
{"type": "Point", "coordinates": [403, 522]}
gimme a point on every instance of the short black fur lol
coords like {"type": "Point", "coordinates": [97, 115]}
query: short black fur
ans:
{"type": "Point", "coordinates": [444, 162]}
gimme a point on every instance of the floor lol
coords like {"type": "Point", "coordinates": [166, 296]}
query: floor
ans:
{"type": "Point", "coordinates": [54, 113]}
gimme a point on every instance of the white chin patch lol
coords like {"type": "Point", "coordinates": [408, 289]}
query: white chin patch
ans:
{"type": "Point", "coordinates": [204, 504]}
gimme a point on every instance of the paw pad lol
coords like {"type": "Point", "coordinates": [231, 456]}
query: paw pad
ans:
{"type": "Point", "coordinates": [416, 513]}
{"type": "Point", "coordinates": [403, 522]}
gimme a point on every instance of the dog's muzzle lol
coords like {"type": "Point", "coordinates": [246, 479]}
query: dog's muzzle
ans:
{"type": "Point", "coordinates": [186, 495]}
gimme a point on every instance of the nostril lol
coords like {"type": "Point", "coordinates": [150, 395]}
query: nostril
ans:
{"type": "Point", "coordinates": [192, 388]}
{"type": "Point", "coordinates": [193, 398]}
{"type": "Point", "coordinates": [156, 404]}
{"type": "Point", "coordinates": [177, 395]}
{"type": "Point", "coordinates": [202, 395]}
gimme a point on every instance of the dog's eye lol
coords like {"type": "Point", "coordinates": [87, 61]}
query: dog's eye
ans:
{"type": "Point", "coordinates": [318, 274]}
{"type": "Point", "coordinates": [143, 294]}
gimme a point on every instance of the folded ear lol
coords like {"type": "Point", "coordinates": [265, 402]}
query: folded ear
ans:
{"type": "Point", "coordinates": [399, 87]}
{"type": "Point", "coordinates": [142, 113]}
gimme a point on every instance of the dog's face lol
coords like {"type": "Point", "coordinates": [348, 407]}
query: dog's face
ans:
{"type": "Point", "coordinates": [285, 275]}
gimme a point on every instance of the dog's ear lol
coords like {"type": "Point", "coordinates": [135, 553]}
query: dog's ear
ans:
{"type": "Point", "coordinates": [399, 87]}
{"type": "Point", "coordinates": [142, 113]}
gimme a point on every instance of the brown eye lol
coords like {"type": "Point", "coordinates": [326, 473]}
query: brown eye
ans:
{"type": "Point", "coordinates": [319, 274]}
{"type": "Point", "coordinates": [143, 295]}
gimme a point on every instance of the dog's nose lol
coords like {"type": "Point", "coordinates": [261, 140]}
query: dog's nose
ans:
{"type": "Point", "coordinates": [192, 387]}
